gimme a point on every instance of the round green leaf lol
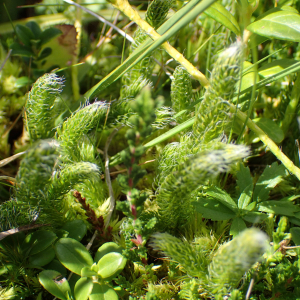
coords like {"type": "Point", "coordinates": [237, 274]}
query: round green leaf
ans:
{"type": "Point", "coordinates": [42, 258]}
{"type": "Point", "coordinates": [87, 272]}
{"type": "Point", "coordinates": [111, 264]}
{"type": "Point", "coordinates": [76, 228]}
{"type": "Point", "coordinates": [39, 241]}
{"type": "Point", "coordinates": [279, 24]}
{"type": "Point", "coordinates": [83, 288]}
{"type": "Point", "coordinates": [73, 255]}
{"type": "Point", "coordinates": [103, 292]}
{"type": "Point", "coordinates": [53, 282]}
{"type": "Point", "coordinates": [34, 28]}
{"type": "Point", "coordinates": [24, 34]}
{"type": "Point", "coordinates": [107, 248]}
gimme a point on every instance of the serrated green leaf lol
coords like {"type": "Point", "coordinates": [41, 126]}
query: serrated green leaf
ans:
{"type": "Point", "coordinates": [271, 176]}
{"type": "Point", "coordinates": [213, 209]}
{"type": "Point", "coordinates": [103, 292]}
{"type": "Point", "coordinates": [245, 197]}
{"type": "Point", "coordinates": [221, 196]}
{"type": "Point", "coordinates": [83, 288]}
{"type": "Point", "coordinates": [279, 24]}
{"type": "Point", "coordinates": [54, 284]}
{"type": "Point", "coordinates": [77, 229]}
{"type": "Point", "coordinates": [237, 226]}
{"type": "Point", "coordinates": [284, 208]}
{"type": "Point", "coordinates": [254, 217]}
{"type": "Point", "coordinates": [107, 248]}
{"type": "Point", "coordinates": [73, 255]}
{"type": "Point", "coordinates": [220, 14]}
{"type": "Point", "coordinates": [244, 178]}
{"type": "Point", "coordinates": [276, 66]}
{"type": "Point", "coordinates": [111, 264]}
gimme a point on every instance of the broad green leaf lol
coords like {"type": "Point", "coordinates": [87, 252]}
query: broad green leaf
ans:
{"type": "Point", "coordinates": [279, 24]}
{"type": "Point", "coordinates": [254, 217]}
{"type": "Point", "coordinates": [83, 288]}
{"type": "Point", "coordinates": [271, 176]}
{"type": "Point", "coordinates": [270, 128]}
{"type": "Point", "coordinates": [284, 208]}
{"type": "Point", "coordinates": [295, 232]}
{"type": "Point", "coordinates": [245, 197]}
{"type": "Point", "coordinates": [48, 34]}
{"type": "Point", "coordinates": [56, 265]}
{"type": "Point", "coordinates": [39, 241]}
{"type": "Point", "coordinates": [213, 209]}
{"type": "Point", "coordinates": [275, 67]}
{"type": "Point", "coordinates": [220, 14]}
{"type": "Point", "coordinates": [249, 77]}
{"type": "Point", "coordinates": [221, 196]}
{"type": "Point", "coordinates": [237, 226]}
{"type": "Point", "coordinates": [103, 292]}
{"type": "Point", "coordinates": [77, 229]}
{"type": "Point", "coordinates": [55, 284]}
{"type": "Point", "coordinates": [87, 272]}
{"type": "Point", "coordinates": [42, 258]}
{"type": "Point", "coordinates": [244, 178]}
{"type": "Point", "coordinates": [35, 29]}
{"type": "Point", "coordinates": [20, 50]}
{"type": "Point", "coordinates": [111, 264]}
{"type": "Point", "coordinates": [24, 34]}
{"type": "Point", "coordinates": [181, 18]}
{"type": "Point", "coordinates": [73, 255]}
{"type": "Point", "coordinates": [107, 248]}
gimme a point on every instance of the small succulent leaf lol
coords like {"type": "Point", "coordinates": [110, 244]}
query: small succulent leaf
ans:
{"type": "Point", "coordinates": [87, 272]}
{"type": "Point", "coordinates": [279, 24]}
{"type": "Point", "coordinates": [83, 288]}
{"type": "Point", "coordinates": [39, 241]}
{"type": "Point", "coordinates": [270, 128]}
{"type": "Point", "coordinates": [276, 66]}
{"type": "Point", "coordinates": [213, 209]}
{"type": "Point", "coordinates": [107, 248]}
{"type": "Point", "coordinates": [295, 232]}
{"type": "Point", "coordinates": [48, 34]}
{"type": "Point", "coordinates": [271, 176]}
{"type": "Point", "coordinates": [244, 178]}
{"type": "Point", "coordinates": [20, 50]}
{"type": "Point", "coordinates": [35, 29]}
{"type": "Point", "coordinates": [284, 208]}
{"type": "Point", "coordinates": [55, 284]}
{"type": "Point", "coordinates": [103, 292]}
{"type": "Point", "coordinates": [110, 264]}
{"type": "Point", "coordinates": [237, 226]}
{"type": "Point", "coordinates": [221, 196]}
{"type": "Point", "coordinates": [77, 229]}
{"type": "Point", "coordinates": [220, 14]}
{"type": "Point", "coordinates": [73, 255]}
{"type": "Point", "coordinates": [254, 217]}
{"type": "Point", "coordinates": [245, 197]}
{"type": "Point", "coordinates": [44, 53]}
{"type": "Point", "coordinates": [42, 258]}
{"type": "Point", "coordinates": [24, 34]}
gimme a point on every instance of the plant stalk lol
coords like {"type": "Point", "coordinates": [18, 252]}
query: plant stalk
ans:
{"type": "Point", "coordinates": [133, 15]}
